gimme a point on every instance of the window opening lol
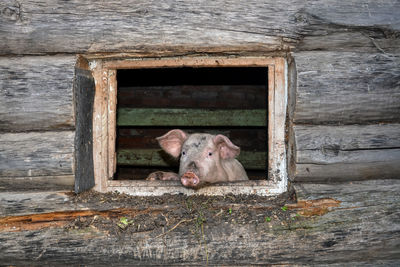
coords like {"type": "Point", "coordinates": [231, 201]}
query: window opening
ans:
{"type": "Point", "coordinates": [221, 100]}
{"type": "Point", "coordinates": [198, 86]}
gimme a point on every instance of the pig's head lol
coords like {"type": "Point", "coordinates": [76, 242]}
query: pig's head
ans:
{"type": "Point", "coordinates": [200, 156]}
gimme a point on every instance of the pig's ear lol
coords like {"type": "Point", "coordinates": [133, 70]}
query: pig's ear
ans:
{"type": "Point", "coordinates": [172, 142]}
{"type": "Point", "coordinates": [227, 150]}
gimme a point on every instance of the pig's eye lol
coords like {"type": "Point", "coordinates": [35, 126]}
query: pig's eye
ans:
{"type": "Point", "coordinates": [183, 153]}
{"type": "Point", "coordinates": [210, 154]}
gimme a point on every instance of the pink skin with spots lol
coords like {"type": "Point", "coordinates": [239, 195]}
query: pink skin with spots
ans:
{"type": "Point", "coordinates": [204, 159]}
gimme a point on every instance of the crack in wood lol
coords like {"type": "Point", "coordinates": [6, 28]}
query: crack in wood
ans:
{"type": "Point", "coordinates": [316, 207]}
{"type": "Point", "coordinates": [61, 218]}
{"type": "Point", "coordinates": [58, 219]}
{"type": "Point", "coordinates": [350, 149]}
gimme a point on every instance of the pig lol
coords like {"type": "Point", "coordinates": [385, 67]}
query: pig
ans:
{"type": "Point", "coordinates": [204, 159]}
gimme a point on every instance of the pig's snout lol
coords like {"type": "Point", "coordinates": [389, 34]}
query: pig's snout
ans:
{"type": "Point", "coordinates": [190, 179]}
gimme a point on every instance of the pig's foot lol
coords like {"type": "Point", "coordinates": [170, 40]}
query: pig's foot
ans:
{"type": "Point", "coordinates": [163, 176]}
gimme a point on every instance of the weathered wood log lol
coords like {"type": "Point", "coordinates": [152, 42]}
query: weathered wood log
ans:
{"type": "Point", "coordinates": [327, 37]}
{"type": "Point", "coordinates": [36, 93]}
{"type": "Point", "coordinates": [358, 225]}
{"type": "Point", "coordinates": [346, 88]}
{"type": "Point", "coordinates": [190, 117]}
{"type": "Point", "coordinates": [334, 31]}
{"type": "Point", "coordinates": [56, 26]}
{"type": "Point", "coordinates": [59, 218]}
{"type": "Point", "coordinates": [36, 154]}
{"type": "Point", "coordinates": [352, 152]}
{"type": "Point", "coordinates": [34, 202]}
{"type": "Point", "coordinates": [351, 172]}
{"type": "Point", "coordinates": [348, 137]}
{"type": "Point", "coordinates": [37, 184]}
{"type": "Point", "coordinates": [157, 157]}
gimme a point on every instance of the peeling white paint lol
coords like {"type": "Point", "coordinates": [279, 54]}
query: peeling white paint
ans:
{"type": "Point", "coordinates": [92, 64]}
{"type": "Point", "coordinates": [158, 188]}
{"type": "Point", "coordinates": [282, 180]}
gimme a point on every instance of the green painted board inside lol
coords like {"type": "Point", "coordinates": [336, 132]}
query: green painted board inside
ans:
{"type": "Point", "coordinates": [191, 117]}
{"type": "Point", "coordinates": [158, 158]}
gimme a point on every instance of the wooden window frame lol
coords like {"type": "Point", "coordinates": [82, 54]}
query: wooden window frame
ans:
{"type": "Point", "coordinates": [104, 126]}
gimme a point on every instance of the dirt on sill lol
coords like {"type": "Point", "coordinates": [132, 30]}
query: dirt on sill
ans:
{"type": "Point", "coordinates": [128, 215]}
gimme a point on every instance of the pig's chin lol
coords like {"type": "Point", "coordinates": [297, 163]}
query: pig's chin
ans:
{"type": "Point", "coordinates": [190, 179]}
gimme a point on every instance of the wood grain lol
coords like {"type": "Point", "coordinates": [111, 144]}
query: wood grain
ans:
{"type": "Point", "coordinates": [36, 154]}
{"type": "Point", "coordinates": [346, 88]}
{"type": "Point", "coordinates": [100, 128]}
{"type": "Point", "coordinates": [37, 184]}
{"type": "Point", "coordinates": [353, 79]}
{"type": "Point", "coordinates": [360, 228]}
{"type": "Point", "coordinates": [36, 93]}
{"type": "Point", "coordinates": [347, 137]}
{"type": "Point", "coordinates": [351, 152]}
{"type": "Point", "coordinates": [25, 203]}
{"type": "Point", "coordinates": [112, 122]}
{"type": "Point", "coordinates": [328, 27]}
{"type": "Point", "coordinates": [148, 26]}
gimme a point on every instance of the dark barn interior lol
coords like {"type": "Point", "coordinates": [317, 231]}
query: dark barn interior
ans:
{"type": "Point", "coordinates": [236, 91]}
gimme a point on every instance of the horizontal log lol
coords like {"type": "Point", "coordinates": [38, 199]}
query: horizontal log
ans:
{"type": "Point", "coordinates": [344, 232]}
{"type": "Point", "coordinates": [351, 193]}
{"type": "Point", "coordinates": [338, 172]}
{"type": "Point", "coordinates": [36, 93]}
{"type": "Point", "coordinates": [36, 154]}
{"type": "Point", "coordinates": [31, 202]}
{"type": "Point", "coordinates": [351, 152]}
{"type": "Point", "coordinates": [346, 88]}
{"type": "Point", "coordinates": [333, 156]}
{"type": "Point", "coordinates": [328, 29]}
{"type": "Point", "coordinates": [50, 24]}
{"type": "Point", "coordinates": [157, 157]}
{"type": "Point", "coordinates": [190, 117]}
{"type": "Point", "coordinates": [37, 184]}
{"type": "Point", "coordinates": [347, 137]}
{"type": "Point", "coordinates": [67, 27]}
{"type": "Point", "coordinates": [323, 36]}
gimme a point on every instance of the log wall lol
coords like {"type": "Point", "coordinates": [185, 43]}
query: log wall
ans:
{"type": "Point", "coordinates": [343, 125]}
{"type": "Point", "coordinates": [336, 153]}
{"type": "Point", "coordinates": [357, 226]}
{"type": "Point", "coordinates": [36, 119]}
{"type": "Point", "coordinates": [345, 116]}
{"type": "Point", "coordinates": [36, 93]}
{"type": "Point", "coordinates": [344, 81]}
